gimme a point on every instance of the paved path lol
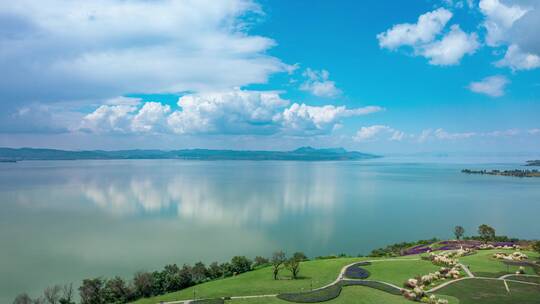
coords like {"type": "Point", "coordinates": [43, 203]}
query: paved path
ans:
{"type": "Point", "coordinates": [467, 271]}
{"type": "Point", "coordinates": [519, 275]}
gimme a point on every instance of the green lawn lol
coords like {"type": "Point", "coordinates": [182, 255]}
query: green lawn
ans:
{"type": "Point", "coordinates": [257, 282]}
{"type": "Point", "coordinates": [482, 263]}
{"type": "Point", "coordinates": [349, 295]}
{"type": "Point", "coordinates": [397, 272]}
{"type": "Point", "coordinates": [525, 279]}
{"type": "Point", "coordinates": [478, 291]}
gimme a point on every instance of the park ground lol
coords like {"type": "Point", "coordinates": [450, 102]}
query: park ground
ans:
{"type": "Point", "coordinates": [486, 286]}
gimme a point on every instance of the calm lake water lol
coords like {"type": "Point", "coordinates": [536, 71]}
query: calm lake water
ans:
{"type": "Point", "coordinates": [62, 221]}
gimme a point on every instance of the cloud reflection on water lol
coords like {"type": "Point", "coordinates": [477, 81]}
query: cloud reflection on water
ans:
{"type": "Point", "coordinates": [258, 194]}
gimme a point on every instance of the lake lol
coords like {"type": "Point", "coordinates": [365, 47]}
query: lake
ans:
{"type": "Point", "coordinates": [62, 221]}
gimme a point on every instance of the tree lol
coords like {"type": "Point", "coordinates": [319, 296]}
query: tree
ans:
{"type": "Point", "coordinates": [215, 271]}
{"type": "Point", "coordinates": [23, 298]}
{"type": "Point", "coordinates": [300, 256]}
{"type": "Point", "coordinates": [226, 268]}
{"type": "Point", "coordinates": [143, 283]}
{"type": "Point", "coordinates": [91, 291]}
{"type": "Point", "coordinates": [278, 258]}
{"type": "Point", "coordinates": [459, 231]}
{"type": "Point", "coordinates": [40, 300]}
{"type": "Point", "coordinates": [293, 264]}
{"type": "Point", "coordinates": [186, 279]}
{"type": "Point", "coordinates": [536, 246]}
{"type": "Point", "coordinates": [486, 232]}
{"type": "Point", "coordinates": [199, 273]}
{"type": "Point", "coordinates": [67, 294]}
{"type": "Point", "coordinates": [240, 264]}
{"type": "Point", "coordinates": [171, 278]}
{"type": "Point", "coordinates": [259, 261]}
{"type": "Point", "coordinates": [116, 291]}
{"type": "Point", "coordinates": [52, 294]}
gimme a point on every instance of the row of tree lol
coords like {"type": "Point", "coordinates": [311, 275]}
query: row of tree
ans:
{"type": "Point", "coordinates": [171, 278]}
{"type": "Point", "coordinates": [486, 233]}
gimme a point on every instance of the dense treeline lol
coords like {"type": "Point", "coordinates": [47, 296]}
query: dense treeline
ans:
{"type": "Point", "coordinates": [171, 278]}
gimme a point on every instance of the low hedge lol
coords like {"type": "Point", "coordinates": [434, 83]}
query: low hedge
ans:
{"type": "Point", "coordinates": [209, 301]}
{"type": "Point", "coordinates": [373, 284]}
{"type": "Point", "coordinates": [357, 272]}
{"type": "Point", "coordinates": [319, 295]}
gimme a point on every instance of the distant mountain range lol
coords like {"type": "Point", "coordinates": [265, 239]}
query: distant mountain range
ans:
{"type": "Point", "coordinates": [304, 153]}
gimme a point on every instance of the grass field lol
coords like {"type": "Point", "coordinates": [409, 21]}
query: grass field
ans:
{"type": "Point", "coordinates": [525, 279]}
{"type": "Point", "coordinates": [349, 295]}
{"type": "Point", "coordinates": [318, 273]}
{"type": "Point", "coordinates": [397, 272]}
{"type": "Point", "coordinates": [482, 263]}
{"type": "Point", "coordinates": [257, 282]}
{"type": "Point", "coordinates": [478, 291]}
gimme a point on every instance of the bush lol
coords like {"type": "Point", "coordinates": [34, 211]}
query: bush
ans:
{"type": "Point", "coordinates": [357, 272]}
{"type": "Point", "coordinates": [319, 295]}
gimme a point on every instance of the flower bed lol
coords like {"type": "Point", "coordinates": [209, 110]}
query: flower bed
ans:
{"type": "Point", "coordinates": [515, 256]}
{"type": "Point", "coordinates": [356, 272]}
{"type": "Point", "coordinates": [415, 287]}
{"type": "Point", "coordinates": [319, 295]}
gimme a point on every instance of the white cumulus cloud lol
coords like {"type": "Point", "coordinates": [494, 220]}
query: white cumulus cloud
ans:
{"type": "Point", "coordinates": [375, 131]}
{"type": "Point", "coordinates": [516, 59]}
{"type": "Point", "coordinates": [224, 112]}
{"type": "Point", "coordinates": [57, 50]}
{"type": "Point", "coordinates": [318, 84]}
{"type": "Point", "coordinates": [451, 48]}
{"type": "Point", "coordinates": [428, 26]}
{"type": "Point", "coordinates": [492, 86]}
{"type": "Point", "coordinates": [499, 18]}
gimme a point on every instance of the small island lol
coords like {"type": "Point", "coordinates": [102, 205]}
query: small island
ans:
{"type": "Point", "coordinates": [516, 173]}
{"type": "Point", "coordinates": [533, 162]}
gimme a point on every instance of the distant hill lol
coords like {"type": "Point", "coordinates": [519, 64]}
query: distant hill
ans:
{"type": "Point", "coordinates": [533, 162]}
{"type": "Point", "coordinates": [304, 153]}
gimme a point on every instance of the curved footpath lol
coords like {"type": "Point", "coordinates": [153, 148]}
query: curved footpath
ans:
{"type": "Point", "coordinates": [341, 277]}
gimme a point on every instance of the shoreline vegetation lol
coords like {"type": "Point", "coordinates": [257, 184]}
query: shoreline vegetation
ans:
{"type": "Point", "coordinates": [516, 173]}
{"type": "Point", "coordinates": [301, 154]}
{"type": "Point", "coordinates": [279, 273]}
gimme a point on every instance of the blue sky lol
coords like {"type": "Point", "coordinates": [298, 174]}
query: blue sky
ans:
{"type": "Point", "coordinates": [378, 76]}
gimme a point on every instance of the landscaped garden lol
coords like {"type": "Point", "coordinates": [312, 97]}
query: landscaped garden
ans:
{"type": "Point", "coordinates": [313, 274]}
{"type": "Point", "coordinates": [483, 264]}
{"type": "Point", "coordinates": [480, 291]}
